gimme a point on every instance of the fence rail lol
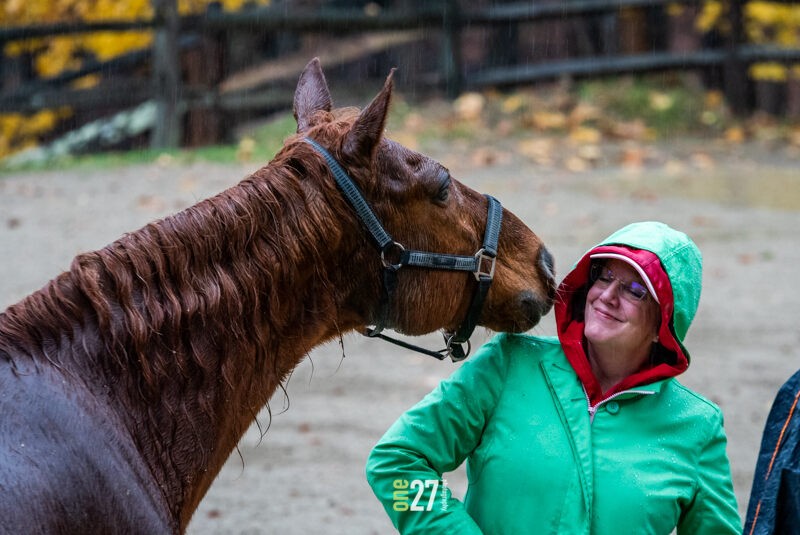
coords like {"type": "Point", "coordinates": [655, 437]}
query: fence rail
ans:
{"type": "Point", "coordinates": [449, 17]}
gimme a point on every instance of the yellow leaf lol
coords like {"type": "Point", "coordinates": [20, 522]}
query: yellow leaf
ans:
{"type": "Point", "coordinates": [768, 72]}
{"type": "Point", "coordinates": [513, 103]}
{"type": "Point", "coordinates": [585, 134]}
{"type": "Point", "coordinates": [469, 106]}
{"type": "Point", "coordinates": [576, 165]}
{"type": "Point", "coordinates": [794, 136]}
{"type": "Point", "coordinates": [660, 101]}
{"type": "Point", "coordinates": [539, 150]}
{"type": "Point", "coordinates": [714, 98]}
{"type": "Point", "coordinates": [584, 112]}
{"type": "Point", "coordinates": [734, 134]}
{"type": "Point", "coordinates": [546, 120]}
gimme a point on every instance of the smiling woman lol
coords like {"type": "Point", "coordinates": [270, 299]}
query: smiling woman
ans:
{"type": "Point", "coordinates": [621, 321]}
{"type": "Point", "coordinates": [586, 432]}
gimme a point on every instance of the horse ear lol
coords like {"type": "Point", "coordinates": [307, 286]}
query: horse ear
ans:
{"type": "Point", "coordinates": [367, 130]}
{"type": "Point", "coordinates": [312, 95]}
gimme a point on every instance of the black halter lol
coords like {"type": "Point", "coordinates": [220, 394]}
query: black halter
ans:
{"type": "Point", "coordinates": [481, 264]}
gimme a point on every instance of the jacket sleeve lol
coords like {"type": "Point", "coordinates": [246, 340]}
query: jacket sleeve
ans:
{"type": "Point", "coordinates": [435, 436]}
{"type": "Point", "coordinates": [713, 509]}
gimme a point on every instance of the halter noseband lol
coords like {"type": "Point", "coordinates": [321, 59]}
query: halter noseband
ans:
{"type": "Point", "coordinates": [481, 264]}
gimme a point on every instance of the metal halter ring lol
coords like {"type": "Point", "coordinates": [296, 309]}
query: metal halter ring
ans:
{"type": "Point", "coordinates": [386, 263]}
{"type": "Point", "coordinates": [449, 341]}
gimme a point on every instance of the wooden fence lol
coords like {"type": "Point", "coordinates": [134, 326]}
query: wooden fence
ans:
{"type": "Point", "coordinates": [178, 97]}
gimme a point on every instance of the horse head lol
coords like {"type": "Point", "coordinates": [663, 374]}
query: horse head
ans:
{"type": "Point", "coordinates": [422, 207]}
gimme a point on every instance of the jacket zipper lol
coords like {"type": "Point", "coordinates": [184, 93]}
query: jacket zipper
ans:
{"type": "Point", "coordinates": [593, 409]}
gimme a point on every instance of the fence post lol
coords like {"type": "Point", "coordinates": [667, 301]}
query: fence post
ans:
{"type": "Point", "coordinates": [734, 69]}
{"type": "Point", "coordinates": [166, 75]}
{"type": "Point", "coordinates": [451, 51]}
{"type": "Point", "coordinates": [204, 121]}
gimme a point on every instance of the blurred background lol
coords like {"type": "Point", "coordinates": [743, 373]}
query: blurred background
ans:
{"type": "Point", "coordinates": [82, 76]}
{"type": "Point", "coordinates": [579, 115]}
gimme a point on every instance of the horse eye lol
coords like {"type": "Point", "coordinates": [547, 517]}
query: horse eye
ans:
{"type": "Point", "coordinates": [444, 190]}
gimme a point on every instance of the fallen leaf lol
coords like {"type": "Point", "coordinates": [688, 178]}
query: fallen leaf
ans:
{"type": "Point", "coordinates": [645, 194]}
{"type": "Point", "coordinates": [585, 134]}
{"type": "Point", "coordinates": [576, 164]}
{"type": "Point", "coordinates": [702, 221]}
{"type": "Point", "coordinates": [633, 157]}
{"type": "Point", "coordinates": [734, 134]}
{"type": "Point", "coordinates": [634, 130]}
{"type": "Point", "coordinates": [504, 127]}
{"type": "Point", "coordinates": [794, 136]}
{"type": "Point", "coordinates": [151, 203]}
{"type": "Point", "coordinates": [486, 156]}
{"type": "Point", "coordinates": [540, 150]}
{"type": "Point", "coordinates": [512, 103]}
{"type": "Point", "coordinates": [660, 101]}
{"type": "Point", "coordinates": [703, 160]}
{"type": "Point", "coordinates": [714, 99]}
{"type": "Point", "coordinates": [547, 120]}
{"type": "Point", "coordinates": [583, 113]}
{"type": "Point", "coordinates": [469, 106]}
{"type": "Point", "coordinates": [590, 152]}
{"type": "Point", "coordinates": [746, 258]}
{"type": "Point", "coordinates": [304, 427]}
{"type": "Point", "coordinates": [674, 167]}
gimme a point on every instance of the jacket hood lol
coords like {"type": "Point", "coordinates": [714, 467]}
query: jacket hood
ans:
{"type": "Point", "coordinates": [671, 265]}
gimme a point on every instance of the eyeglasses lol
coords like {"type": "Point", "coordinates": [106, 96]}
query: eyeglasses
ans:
{"type": "Point", "coordinates": [602, 277]}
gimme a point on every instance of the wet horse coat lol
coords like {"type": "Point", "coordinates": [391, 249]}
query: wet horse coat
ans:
{"type": "Point", "coordinates": [126, 381]}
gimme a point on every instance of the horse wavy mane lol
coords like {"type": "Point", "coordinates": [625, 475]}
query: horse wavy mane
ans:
{"type": "Point", "coordinates": [220, 279]}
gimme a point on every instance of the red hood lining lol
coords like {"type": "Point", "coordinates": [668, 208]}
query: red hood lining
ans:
{"type": "Point", "coordinates": [673, 359]}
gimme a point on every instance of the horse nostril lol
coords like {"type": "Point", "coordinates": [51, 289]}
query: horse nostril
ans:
{"type": "Point", "coordinates": [533, 308]}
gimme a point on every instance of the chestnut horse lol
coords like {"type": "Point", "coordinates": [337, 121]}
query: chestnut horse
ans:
{"type": "Point", "coordinates": [126, 381]}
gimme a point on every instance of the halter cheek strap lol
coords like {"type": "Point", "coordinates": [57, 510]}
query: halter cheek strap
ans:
{"type": "Point", "coordinates": [481, 264]}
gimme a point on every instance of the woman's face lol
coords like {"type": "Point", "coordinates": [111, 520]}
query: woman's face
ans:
{"type": "Point", "coordinates": [614, 318]}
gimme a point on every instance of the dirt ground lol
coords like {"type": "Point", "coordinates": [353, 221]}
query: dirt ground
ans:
{"type": "Point", "coordinates": [740, 203]}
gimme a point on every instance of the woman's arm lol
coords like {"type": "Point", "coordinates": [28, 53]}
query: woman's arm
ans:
{"type": "Point", "coordinates": [435, 436]}
{"type": "Point", "coordinates": [713, 509]}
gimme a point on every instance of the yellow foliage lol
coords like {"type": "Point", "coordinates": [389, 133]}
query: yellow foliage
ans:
{"type": "Point", "coordinates": [709, 16]}
{"type": "Point", "coordinates": [768, 72]}
{"type": "Point", "coordinates": [18, 131]}
{"type": "Point", "coordinates": [54, 55]}
{"type": "Point", "coordinates": [714, 99]}
{"type": "Point", "coordinates": [772, 23]}
{"type": "Point", "coordinates": [765, 23]}
{"type": "Point", "coordinates": [674, 9]}
{"type": "Point", "coordinates": [548, 120]}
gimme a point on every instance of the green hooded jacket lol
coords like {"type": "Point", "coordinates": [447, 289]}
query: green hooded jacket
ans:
{"type": "Point", "coordinates": [546, 451]}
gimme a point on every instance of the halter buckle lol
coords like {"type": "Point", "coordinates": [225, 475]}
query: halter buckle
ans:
{"type": "Point", "coordinates": [481, 259]}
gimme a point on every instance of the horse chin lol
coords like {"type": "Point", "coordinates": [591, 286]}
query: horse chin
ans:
{"type": "Point", "coordinates": [525, 313]}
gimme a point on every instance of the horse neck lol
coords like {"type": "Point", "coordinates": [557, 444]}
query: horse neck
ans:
{"type": "Point", "coordinates": [197, 318]}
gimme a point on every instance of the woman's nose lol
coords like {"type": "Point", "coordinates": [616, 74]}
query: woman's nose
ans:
{"type": "Point", "coordinates": [611, 292]}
